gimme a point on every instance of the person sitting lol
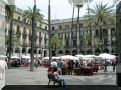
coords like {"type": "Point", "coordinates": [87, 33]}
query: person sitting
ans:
{"type": "Point", "coordinates": [59, 78]}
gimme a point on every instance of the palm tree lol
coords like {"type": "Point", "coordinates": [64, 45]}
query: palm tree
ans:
{"type": "Point", "coordinates": [75, 3]}
{"type": "Point", "coordinates": [33, 15]}
{"type": "Point", "coordinates": [56, 42]}
{"type": "Point", "coordinates": [10, 8]}
{"type": "Point", "coordinates": [16, 43]}
{"type": "Point", "coordinates": [101, 13]}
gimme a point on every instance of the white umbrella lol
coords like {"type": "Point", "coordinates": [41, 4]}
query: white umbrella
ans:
{"type": "Point", "coordinates": [79, 55]}
{"type": "Point", "coordinates": [3, 56]}
{"type": "Point", "coordinates": [56, 58]}
{"type": "Point", "coordinates": [46, 58]}
{"type": "Point", "coordinates": [89, 56]}
{"type": "Point", "coordinates": [15, 57]}
{"type": "Point", "coordinates": [69, 57]}
{"type": "Point", "coordinates": [26, 57]}
{"type": "Point", "coordinates": [107, 56]}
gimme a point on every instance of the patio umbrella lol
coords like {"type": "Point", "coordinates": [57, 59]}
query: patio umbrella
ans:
{"type": "Point", "coordinates": [26, 57]}
{"type": "Point", "coordinates": [107, 56]}
{"type": "Point", "coordinates": [69, 57]}
{"type": "Point", "coordinates": [15, 57]}
{"type": "Point", "coordinates": [79, 55]}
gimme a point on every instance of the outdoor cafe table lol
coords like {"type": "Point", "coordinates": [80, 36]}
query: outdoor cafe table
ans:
{"type": "Point", "coordinates": [88, 70]}
{"type": "Point", "coordinates": [85, 70]}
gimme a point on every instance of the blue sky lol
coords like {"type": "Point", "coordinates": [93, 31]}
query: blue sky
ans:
{"type": "Point", "coordinates": [60, 9]}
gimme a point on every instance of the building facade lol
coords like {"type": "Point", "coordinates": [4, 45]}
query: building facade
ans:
{"type": "Point", "coordinates": [62, 28]}
{"type": "Point", "coordinates": [72, 40]}
{"type": "Point", "coordinates": [22, 31]}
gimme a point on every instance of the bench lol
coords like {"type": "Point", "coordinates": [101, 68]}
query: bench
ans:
{"type": "Point", "coordinates": [52, 78]}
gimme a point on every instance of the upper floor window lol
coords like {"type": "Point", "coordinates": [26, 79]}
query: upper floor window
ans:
{"type": "Point", "coordinates": [104, 22]}
{"type": "Point", "coordinates": [112, 30]}
{"type": "Point", "coordinates": [46, 27]}
{"type": "Point", "coordinates": [53, 28]}
{"type": "Point", "coordinates": [66, 26]}
{"type": "Point", "coordinates": [18, 18]}
{"type": "Point", "coordinates": [81, 25]}
{"type": "Point", "coordinates": [60, 27]}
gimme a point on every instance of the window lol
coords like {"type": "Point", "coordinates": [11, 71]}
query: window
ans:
{"type": "Point", "coordinates": [46, 27]}
{"type": "Point", "coordinates": [81, 25]}
{"type": "Point", "coordinates": [60, 27]}
{"type": "Point", "coordinates": [105, 41]}
{"type": "Point", "coordinates": [53, 28]}
{"type": "Point", "coordinates": [104, 22]}
{"type": "Point", "coordinates": [66, 26]}
{"type": "Point", "coordinates": [81, 33]}
{"type": "Point", "coordinates": [18, 18]}
{"type": "Point", "coordinates": [96, 32]}
{"type": "Point", "coordinates": [74, 43]}
{"type": "Point", "coordinates": [112, 30]}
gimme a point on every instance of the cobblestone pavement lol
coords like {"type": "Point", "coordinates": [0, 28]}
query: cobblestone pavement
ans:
{"type": "Point", "coordinates": [22, 76]}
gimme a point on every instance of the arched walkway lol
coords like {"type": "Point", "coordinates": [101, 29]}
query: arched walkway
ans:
{"type": "Point", "coordinates": [60, 52]}
{"type": "Point", "coordinates": [39, 52]}
{"type": "Point", "coordinates": [97, 51]}
{"type": "Point", "coordinates": [67, 52]}
{"type": "Point", "coordinates": [74, 52]}
{"type": "Point", "coordinates": [45, 53]}
{"type": "Point", "coordinates": [106, 50]}
{"type": "Point", "coordinates": [53, 53]}
{"type": "Point", "coordinates": [23, 50]}
{"type": "Point", "coordinates": [29, 51]}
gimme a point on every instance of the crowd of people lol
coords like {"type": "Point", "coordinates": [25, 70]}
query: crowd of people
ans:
{"type": "Point", "coordinates": [69, 65]}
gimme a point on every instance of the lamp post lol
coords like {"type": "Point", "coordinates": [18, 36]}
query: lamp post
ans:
{"type": "Point", "coordinates": [49, 31]}
{"type": "Point", "coordinates": [77, 27]}
{"type": "Point", "coordinates": [33, 37]}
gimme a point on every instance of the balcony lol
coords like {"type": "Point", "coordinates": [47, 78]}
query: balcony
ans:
{"type": "Point", "coordinates": [18, 33]}
{"type": "Point", "coordinates": [24, 34]}
{"type": "Point", "coordinates": [24, 44]}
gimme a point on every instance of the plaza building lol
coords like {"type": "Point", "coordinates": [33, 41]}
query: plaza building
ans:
{"type": "Point", "coordinates": [71, 40]}
{"type": "Point", "coordinates": [22, 31]}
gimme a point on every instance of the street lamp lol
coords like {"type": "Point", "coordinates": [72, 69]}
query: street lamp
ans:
{"type": "Point", "coordinates": [49, 31]}
{"type": "Point", "coordinates": [77, 27]}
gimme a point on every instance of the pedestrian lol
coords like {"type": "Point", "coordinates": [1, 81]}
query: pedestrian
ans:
{"type": "Point", "coordinates": [114, 65]}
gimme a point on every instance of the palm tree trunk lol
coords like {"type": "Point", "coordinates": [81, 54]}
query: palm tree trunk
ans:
{"type": "Point", "coordinates": [10, 43]}
{"type": "Point", "coordinates": [76, 30]}
{"type": "Point", "coordinates": [33, 40]}
{"type": "Point", "coordinates": [71, 31]}
{"type": "Point", "coordinates": [49, 29]}
{"type": "Point", "coordinates": [90, 29]}
{"type": "Point", "coordinates": [101, 39]}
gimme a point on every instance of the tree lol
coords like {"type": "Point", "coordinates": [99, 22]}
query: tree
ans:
{"type": "Point", "coordinates": [56, 42]}
{"type": "Point", "coordinates": [10, 8]}
{"type": "Point", "coordinates": [16, 43]}
{"type": "Point", "coordinates": [33, 15]}
{"type": "Point", "coordinates": [75, 3]}
{"type": "Point", "coordinates": [96, 42]}
{"type": "Point", "coordinates": [101, 13]}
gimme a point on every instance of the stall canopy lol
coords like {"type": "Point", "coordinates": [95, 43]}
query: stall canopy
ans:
{"type": "Point", "coordinates": [15, 57]}
{"type": "Point", "coordinates": [79, 55]}
{"type": "Point", "coordinates": [107, 56]}
{"type": "Point", "coordinates": [26, 57]}
{"type": "Point", "coordinates": [69, 57]}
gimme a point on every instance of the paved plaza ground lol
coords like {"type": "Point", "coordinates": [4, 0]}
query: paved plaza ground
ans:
{"type": "Point", "coordinates": [22, 76]}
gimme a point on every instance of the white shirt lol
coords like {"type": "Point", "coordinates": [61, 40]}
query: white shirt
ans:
{"type": "Point", "coordinates": [54, 64]}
